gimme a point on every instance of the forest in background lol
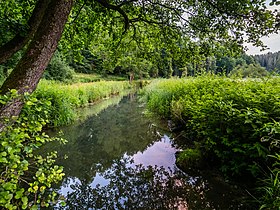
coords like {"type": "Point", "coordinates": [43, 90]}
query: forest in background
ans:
{"type": "Point", "coordinates": [271, 61]}
{"type": "Point", "coordinates": [64, 68]}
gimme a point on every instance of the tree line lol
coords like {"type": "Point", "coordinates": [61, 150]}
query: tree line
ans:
{"type": "Point", "coordinates": [271, 61]}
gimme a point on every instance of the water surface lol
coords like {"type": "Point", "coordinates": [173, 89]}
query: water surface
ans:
{"type": "Point", "coordinates": [119, 158]}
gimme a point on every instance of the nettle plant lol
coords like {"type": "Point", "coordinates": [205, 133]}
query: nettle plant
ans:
{"type": "Point", "coordinates": [26, 177]}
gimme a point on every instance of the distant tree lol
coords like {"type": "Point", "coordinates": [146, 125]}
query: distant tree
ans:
{"type": "Point", "coordinates": [225, 65]}
{"type": "Point", "coordinates": [251, 70]}
{"type": "Point", "coordinates": [270, 61]}
{"type": "Point", "coordinates": [58, 69]}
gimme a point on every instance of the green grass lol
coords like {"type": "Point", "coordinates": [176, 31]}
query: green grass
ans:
{"type": "Point", "coordinates": [234, 123]}
{"type": "Point", "coordinates": [66, 98]}
{"type": "Point", "coordinates": [85, 78]}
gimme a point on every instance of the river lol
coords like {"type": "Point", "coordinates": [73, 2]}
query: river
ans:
{"type": "Point", "coordinates": [118, 157]}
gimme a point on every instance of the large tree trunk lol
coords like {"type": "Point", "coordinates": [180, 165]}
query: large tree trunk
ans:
{"type": "Point", "coordinates": [26, 75]}
{"type": "Point", "coordinates": [19, 41]}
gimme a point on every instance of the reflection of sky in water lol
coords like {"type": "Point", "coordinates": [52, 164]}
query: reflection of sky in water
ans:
{"type": "Point", "coordinates": [160, 154]}
{"type": "Point", "coordinates": [99, 180]}
{"type": "Point", "coordinates": [66, 186]}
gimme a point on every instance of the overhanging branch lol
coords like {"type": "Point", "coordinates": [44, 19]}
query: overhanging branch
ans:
{"type": "Point", "coordinates": [19, 41]}
{"type": "Point", "coordinates": [118, 8]}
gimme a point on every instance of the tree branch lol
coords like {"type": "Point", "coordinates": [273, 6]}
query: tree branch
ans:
{"type": "Point", "coordinates": [19, 41]}
{"type": "Point", "coordinates": [78, 13]}
{"type": "Point", "coordinates": [118, 8]}
{"type": "Point", "coordinates": [175, 10]}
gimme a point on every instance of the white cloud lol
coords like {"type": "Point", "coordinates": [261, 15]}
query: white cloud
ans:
{"type": "Point", "coordinates": [272, 42]}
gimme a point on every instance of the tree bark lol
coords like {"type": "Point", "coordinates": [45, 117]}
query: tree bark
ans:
{"type": "Point", "coordinates": [19, 41]}
{"type": "Point", "coordinates": [26, 75]}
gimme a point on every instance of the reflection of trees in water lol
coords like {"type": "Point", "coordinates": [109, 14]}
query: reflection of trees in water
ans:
{"type": "Point", "coordinates": [99, 140]}
{"type": "Point", "coordinates": [97, 146]}
{"type": "Point", "coordinates": [139, 188]}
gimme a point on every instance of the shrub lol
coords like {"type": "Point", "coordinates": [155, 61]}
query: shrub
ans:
{"type": "Point", "coordinates": [189, 158]}
{"type": "Point", "coordinates": [24, 176]}
{"type": "Point", "coordinates": [251, 70]}
{"type": "Point", "coordinates": [58, 69]}
{"type": "Point", "coordinates": [230, 118]}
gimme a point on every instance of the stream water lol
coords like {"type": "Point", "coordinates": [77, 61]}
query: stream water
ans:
{"type": "Point", "coordinates": [118, 158]}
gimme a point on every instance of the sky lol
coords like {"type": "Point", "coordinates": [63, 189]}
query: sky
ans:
{"type": "Point", "coordinates": [273, 41]}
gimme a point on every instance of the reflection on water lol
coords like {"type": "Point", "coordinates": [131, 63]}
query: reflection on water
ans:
{"type": "Point", "coordinates": [137, 187]}
{"type": "Point", "coordinates": [161, 153]}
{"type": "Point", "coordinates": [120, 159]}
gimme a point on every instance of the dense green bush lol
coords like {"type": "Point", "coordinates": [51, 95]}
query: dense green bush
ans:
{"type": "Point", "coordinates": [25, 177]}
{"type": "Point", "coordinates": [236, 123]}
{"type": "Point", "coordinates": [251, 70]}
{"type": "Point", "coordinates": [58, 69]}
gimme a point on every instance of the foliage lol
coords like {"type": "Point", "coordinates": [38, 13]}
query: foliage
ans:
{"type": "Point", "coordinates": [88, 63]}
{"type": "Point", "coordinates": [270, 187]}
{"type": "Point", "coordinates": [58, 69]}
{"type": "Point", "coordinates": [251, 70]}
{"type": "Point", "coordinates": [271, 61]}
{"type": "Point", "coordinates": [65, 98]}
{"type": "Point", "coordinates": [14, 15]}
{"type": "Point", "coordinates": [228, 117]}
{"type": "Point", "coordinates": [235, 123]}
{"type": "Point", "coordinates": [6, 68]}
{"type": "Point", "coordinates": [189, 158]}
{"type": "Point", "coordinates": [25, 176]}
{"type": "Point", "coordinates": [96, 40]}
{"type": "Point", "coordinates": [222, 62]}
{"type": "Point", "coordinates": [87, 78]}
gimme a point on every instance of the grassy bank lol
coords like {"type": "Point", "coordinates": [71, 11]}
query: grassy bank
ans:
{"type": "Point", "coordinates": [66, 98]}
{"type": "Point", "coordinates": [85, 78]}
{"type": "Point", "coordinates": [232, 124]}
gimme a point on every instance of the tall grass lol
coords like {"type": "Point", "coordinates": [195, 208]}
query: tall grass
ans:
{"type": "Point", "coordinates": [66, 98]}
{"type": "Point", "coordinates": [85, 78]}
{"type": "Point", "coordinates": [234, 124]}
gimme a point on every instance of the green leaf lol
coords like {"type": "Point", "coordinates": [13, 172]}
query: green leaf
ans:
{"type": "Point", "coordinates": [19, 194]}
{"type": "Point", "coordinates": [24, 200]}
{"type": "Point", "coordinates": [9, 186]}
{"type": "Point", "coordinates": [34, 207]}
{"type": "Point", "coordinates": [3, 154]}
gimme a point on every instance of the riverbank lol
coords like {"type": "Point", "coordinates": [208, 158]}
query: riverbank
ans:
{"type": "Point", "coordinates": [231, 124]}
{"type": "Point", "coordinates": [65, 99]}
